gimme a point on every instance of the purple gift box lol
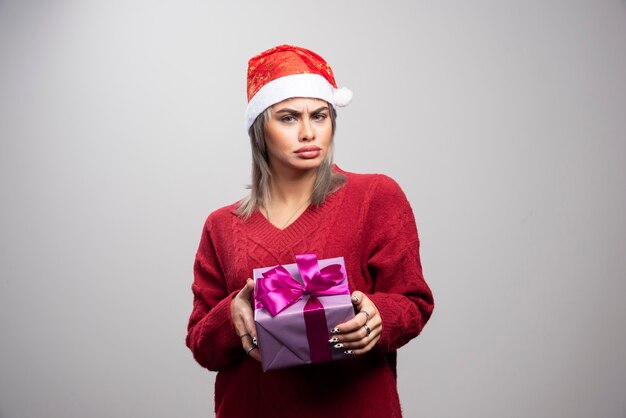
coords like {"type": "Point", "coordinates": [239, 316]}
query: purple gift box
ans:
{"type": "Point", "coordinates": [296, 306]}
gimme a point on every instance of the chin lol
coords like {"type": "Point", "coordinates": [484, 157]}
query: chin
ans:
{"type": "Point", "coordinates": [310, 164]}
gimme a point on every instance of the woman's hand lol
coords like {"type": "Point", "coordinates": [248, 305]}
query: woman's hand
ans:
{"type": "Point", "coordinates": [243, 320]}
{"type": "Point", "coordinates": [360, 334]}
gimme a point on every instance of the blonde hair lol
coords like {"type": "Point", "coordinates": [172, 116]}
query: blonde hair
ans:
{"type": "Point", "coordinates": [326, 181]}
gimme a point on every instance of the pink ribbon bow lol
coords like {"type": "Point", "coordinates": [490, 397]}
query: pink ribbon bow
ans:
{"type": "Point", "coordinates": [279, 290]}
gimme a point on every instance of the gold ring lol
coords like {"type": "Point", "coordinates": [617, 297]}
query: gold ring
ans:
{"type": "Point", "coordinates": [369, 331]}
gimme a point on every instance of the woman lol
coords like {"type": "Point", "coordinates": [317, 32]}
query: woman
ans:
{"type": "Point", "coordinates": [300, 203]}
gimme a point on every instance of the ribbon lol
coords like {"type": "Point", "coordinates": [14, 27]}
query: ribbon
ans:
{"type": "Point", "coordinates": [279, 290]}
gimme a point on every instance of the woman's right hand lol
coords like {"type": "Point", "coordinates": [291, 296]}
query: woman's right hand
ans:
{"type": "Point", "coordinates": [242, 316]}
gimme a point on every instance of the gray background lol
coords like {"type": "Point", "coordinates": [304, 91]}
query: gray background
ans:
{"type": "Point", "coordinates": [121, 126]}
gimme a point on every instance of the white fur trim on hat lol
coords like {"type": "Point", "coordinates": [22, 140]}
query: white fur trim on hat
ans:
{"type": "Point", "coordinates": [295, 85]}
{"type": "Point", "coordinates": [342, 96]}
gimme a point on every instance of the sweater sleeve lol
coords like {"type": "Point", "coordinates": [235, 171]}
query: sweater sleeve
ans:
{"type": "Point", "coordinates": [401, 295]}
{"type": "Point", "coordinates": [211, 335]}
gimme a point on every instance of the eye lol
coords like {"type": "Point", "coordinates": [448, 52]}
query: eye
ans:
{"type": "Point", "coordinates": [320, 116]}
{"type": "Point", "coordinates": [288, 118]}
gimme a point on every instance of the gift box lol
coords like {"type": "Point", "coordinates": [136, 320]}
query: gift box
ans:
{"type": "Point", "coordinates": [296, 306]}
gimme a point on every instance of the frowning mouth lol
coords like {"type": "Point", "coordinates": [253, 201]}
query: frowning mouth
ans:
{"type": "Point", "coordinates": [310, 151]}
{"type": "Point", "coordinates": [307, 149]}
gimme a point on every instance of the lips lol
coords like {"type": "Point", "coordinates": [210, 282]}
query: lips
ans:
{"type": "Point", "coordinates": [308, 149]}
{"type": "Point", "coordinates": [308, 152]}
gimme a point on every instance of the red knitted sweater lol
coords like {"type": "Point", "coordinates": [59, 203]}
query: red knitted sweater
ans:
{"type": "Point", "coordinates": [370, 223]}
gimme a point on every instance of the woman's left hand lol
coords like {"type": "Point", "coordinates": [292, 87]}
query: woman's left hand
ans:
{"type": "Point", "coordinates": [360, 334]}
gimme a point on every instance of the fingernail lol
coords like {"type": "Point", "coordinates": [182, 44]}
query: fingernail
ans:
{"type": "Point", "coordinates": [333, 340]}
{"type": "Point", "coordinates": [355, 298]}
{"type": "Point", "coordinates": [339, 345]}
{"type": "Point", "coordinates": [335, 331]}
{"type": "Point", "coordinates": [349, 352]}
{"type": "Point", "coordinates": [254, 341]}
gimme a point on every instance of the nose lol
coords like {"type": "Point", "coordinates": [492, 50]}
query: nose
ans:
{"type": "Point", "coordinates": [306, 131]}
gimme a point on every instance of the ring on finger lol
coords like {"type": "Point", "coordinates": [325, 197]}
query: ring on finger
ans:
{"type": "Point", "coordinates": [367, 315]}
{"type": "Point", "coordinates": [250, 349]}
{"type": "Point", "coordinates": [367, 328]}
{"type": "Point", "coordinates": [245, 335]}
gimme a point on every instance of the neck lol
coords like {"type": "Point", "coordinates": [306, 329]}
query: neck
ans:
{"type": "Point", "coordinates": [292, 189]}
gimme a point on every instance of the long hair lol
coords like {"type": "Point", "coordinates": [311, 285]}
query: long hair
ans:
{"type": "Point", "coordinates": [326, 181]}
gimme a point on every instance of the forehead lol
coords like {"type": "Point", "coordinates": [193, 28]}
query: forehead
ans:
{"type": "Point", "coordinates": [300, 103]}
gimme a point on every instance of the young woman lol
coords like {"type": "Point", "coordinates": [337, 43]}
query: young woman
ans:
{"type": "Point", "coordinates": [301, 203]}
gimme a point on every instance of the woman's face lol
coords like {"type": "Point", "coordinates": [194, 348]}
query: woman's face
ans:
{"type": "Point", "coordinates": [298, 133]}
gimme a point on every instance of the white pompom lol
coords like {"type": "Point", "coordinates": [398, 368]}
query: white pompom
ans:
{"type": "Point", "coordinates": [342, 96]}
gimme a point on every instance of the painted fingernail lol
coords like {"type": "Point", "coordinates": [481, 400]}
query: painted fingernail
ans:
{"type": "Point", "coordinates": [335, 331]}
{"type": "Point", "coordinates": [349, 352]}
{"type": "Point", "coordinates": [339, 345]}
{"type": "Point", "coordinates": [254, 341]}
{"type": "Point", "coordinates": [355, 298]}
{"type": "Point", "coordinates": [333, 340]}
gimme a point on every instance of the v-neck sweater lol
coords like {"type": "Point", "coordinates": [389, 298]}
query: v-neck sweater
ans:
{"type": "Point", "coordinates": [370, 223]}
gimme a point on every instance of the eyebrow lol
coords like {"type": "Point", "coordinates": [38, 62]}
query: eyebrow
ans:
{"type": "Point", "coordinates": [296, 112]}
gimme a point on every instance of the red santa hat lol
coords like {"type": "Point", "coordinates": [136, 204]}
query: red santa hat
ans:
{"type": "Point", "coordinates": [287, 71]}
